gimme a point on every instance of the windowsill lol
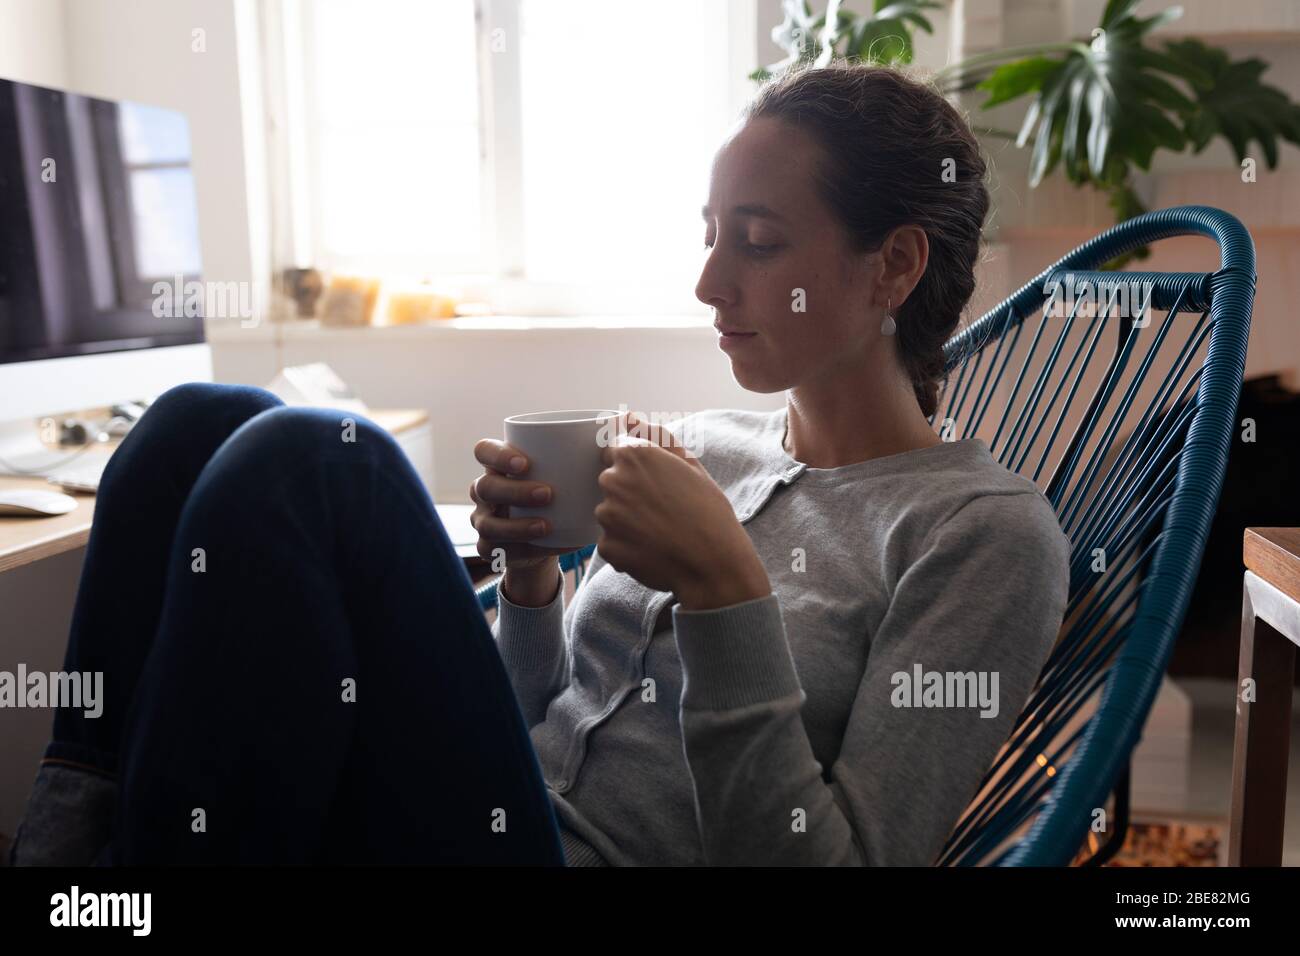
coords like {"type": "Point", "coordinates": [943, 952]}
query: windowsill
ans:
{"type": "Point", "coordinates": [232, 331]}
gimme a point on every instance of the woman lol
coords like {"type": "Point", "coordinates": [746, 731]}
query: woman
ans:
{"type": "Point", "coordinates": [803, 643]}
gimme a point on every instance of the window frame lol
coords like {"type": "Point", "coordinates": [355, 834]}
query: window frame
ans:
{"type": "Point", "coordinates": [497, 275]}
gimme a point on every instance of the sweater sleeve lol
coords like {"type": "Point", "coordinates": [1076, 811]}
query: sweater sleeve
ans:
{"type": "Point", "coordinates": [534, 645]}
{"type": "Point", "coordinates": [987, 595]}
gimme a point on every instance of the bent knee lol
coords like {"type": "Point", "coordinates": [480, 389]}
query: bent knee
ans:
{"type": "Point", "coordinates": [297, 432]}
{"type": "Point", "coordinates": [194, 405]}
{"type": "Point", "coordinates": [183, 427]}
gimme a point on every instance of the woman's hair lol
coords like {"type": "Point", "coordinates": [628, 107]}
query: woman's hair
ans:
{"type": "Point", "coordinates": [896, 153]}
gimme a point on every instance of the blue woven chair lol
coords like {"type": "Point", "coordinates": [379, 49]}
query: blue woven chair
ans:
{"type": "Point", "coordinates": [1129, 442]}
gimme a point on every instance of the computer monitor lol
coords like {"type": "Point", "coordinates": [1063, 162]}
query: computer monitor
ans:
{"type": "Point", "coordinates": [98, 238]}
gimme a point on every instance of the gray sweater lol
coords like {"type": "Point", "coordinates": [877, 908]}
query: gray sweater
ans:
{"type": "Point", "coordinates": [845, 719]}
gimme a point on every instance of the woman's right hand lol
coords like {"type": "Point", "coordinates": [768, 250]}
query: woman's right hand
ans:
{"type": "Point", "coordinates": [493, 493]}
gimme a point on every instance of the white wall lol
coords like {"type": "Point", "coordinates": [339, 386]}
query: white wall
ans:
{"type": "Point", "coordinates": [470, 380]}
{"type": "Point", "coordinates": [32, 43]}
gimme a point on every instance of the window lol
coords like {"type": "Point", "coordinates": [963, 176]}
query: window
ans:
{"type": "Point", "coordinates": [549, 156]}
{"type": "Point", "coordinates": [392, 133]}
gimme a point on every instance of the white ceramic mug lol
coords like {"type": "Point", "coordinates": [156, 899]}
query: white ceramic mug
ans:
{"type": "Point", "coordinates": [564, 450]}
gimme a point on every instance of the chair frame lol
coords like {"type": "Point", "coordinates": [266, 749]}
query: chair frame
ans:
{"type": "Point", "coordinates": [1101, 759]}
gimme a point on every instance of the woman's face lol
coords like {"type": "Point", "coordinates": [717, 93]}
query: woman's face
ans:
{"type": "Point", "coordinates": [778, 265]}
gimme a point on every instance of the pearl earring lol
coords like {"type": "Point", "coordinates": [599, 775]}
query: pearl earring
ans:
{"type": "Point", "coordinates": [888, 327]}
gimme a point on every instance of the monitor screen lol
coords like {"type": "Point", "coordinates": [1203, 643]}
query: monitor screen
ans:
{"type": "Point", "coordinates": [99, 231]}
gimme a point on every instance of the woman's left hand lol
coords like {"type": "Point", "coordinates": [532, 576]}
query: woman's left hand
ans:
{"type": "Point", "coordinates": [667, 523]}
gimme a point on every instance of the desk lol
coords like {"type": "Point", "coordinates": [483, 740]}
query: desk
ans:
{"type": "Point", "coordinates": [24, 540]}
{"type": "Point", "coordinates": [1270, 631]}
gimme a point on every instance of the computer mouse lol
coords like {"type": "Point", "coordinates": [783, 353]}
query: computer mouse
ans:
{"type": "Point", "coordinates": [30, 501]}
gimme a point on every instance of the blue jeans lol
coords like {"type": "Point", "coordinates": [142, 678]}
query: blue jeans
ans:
{"type": "Point", "coordinates": [296, 668]}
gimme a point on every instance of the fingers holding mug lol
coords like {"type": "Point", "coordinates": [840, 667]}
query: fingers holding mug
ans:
{"type": "Point", "coordinates": [494, 493]}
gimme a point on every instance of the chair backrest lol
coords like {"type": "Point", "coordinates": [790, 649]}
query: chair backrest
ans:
{"type": "Point", "coordinates": [1129, 442]}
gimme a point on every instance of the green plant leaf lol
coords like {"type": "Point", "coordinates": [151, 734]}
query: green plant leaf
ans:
{"type": "Point", "coordinates": [908, 10]}
{"type": "Point", "coordinates": [796, 34]}
{"type": "Point", "coordinates": [882, 41]}
{"type": "Point", "coordinates": [1046, 138]}
{"type": "Point", "coordinates": [1072, 132]}
{"type": "Point", "coordinates": [1102, 101]}
{"type": "Point", "coordinates": [1164, 16]}
{"type": "Point", "coordinates": [1161, 92]}
{"type": "Point", "coordinates": [1232, 101]}
{"type": "Point", "coordinates": [1107, 106]}
{"type": "Point", "coordinates": [1115, 11]}
{"type": "Point", "coordinates": [1015, 79]}
{"type": "Point", "coordinates": [1189, 71]}
{"type": "Point", "coordinates": [1102, 106]}
{"type": "Point", "coordinates": [884, 36]}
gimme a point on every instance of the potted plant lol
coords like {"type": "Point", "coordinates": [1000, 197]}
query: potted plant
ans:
{"type": "Point", "coordinates": [1099, 107]}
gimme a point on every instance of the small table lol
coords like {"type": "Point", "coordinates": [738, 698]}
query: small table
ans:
{"type": "Point", "coordinates": [1270, 632]}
